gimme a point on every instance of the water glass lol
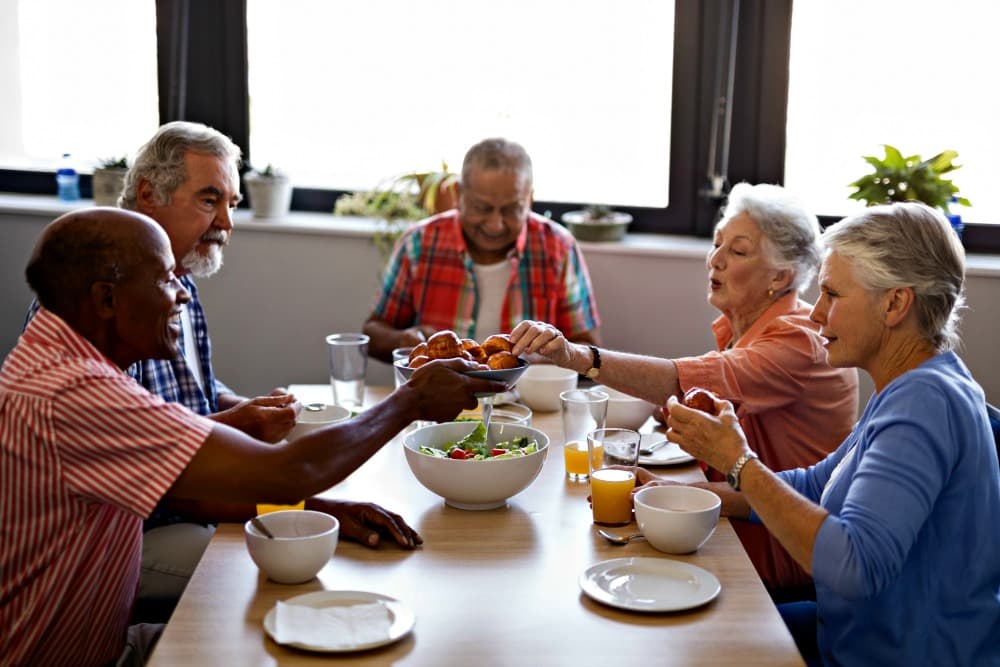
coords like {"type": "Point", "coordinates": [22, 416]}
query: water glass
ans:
{"type": "Point", "coordinates": [348, 366]}
{"type": "Point", "coordinates": [583, 410]}
{"type": "Point", "coordinates": [611, 488]}
{"type": "Point", "coordinates": [397, 354]}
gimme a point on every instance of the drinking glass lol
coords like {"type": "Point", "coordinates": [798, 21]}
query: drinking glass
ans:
{"type": "Point", "coordinates": [583, 410]}
{"type": "Point", "coordinates": [611, 488]}
{"type": "Point", "coordinates": [397, 354]}
{"type": "Point", "coordinates": [348, 365]}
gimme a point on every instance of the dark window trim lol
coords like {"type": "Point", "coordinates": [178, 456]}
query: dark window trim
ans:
{"type": "Point", "coordinates": [202, 75]}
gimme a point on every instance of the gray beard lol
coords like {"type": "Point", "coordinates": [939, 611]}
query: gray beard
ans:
{"type": "Point", "coordinates": [203, 266]}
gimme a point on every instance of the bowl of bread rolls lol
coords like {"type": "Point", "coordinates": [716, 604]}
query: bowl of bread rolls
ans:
{"type": "Point", "coordinates": [494, 353]}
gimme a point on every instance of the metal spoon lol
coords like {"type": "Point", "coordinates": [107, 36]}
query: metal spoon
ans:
{"type": "Point", "coordinates": [620, 540]}
{"type": "Point", "coordinates": [259, 525]}
{"type": "Point", "coordinates": [646, 451]}
{"type": "Point", "coordinates": [313, 407]}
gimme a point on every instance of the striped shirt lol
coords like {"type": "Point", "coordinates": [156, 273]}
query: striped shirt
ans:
{"type": "Point", "coordinates": [430, 280]}
{"type": "Point", "coordinates": [85, 453]}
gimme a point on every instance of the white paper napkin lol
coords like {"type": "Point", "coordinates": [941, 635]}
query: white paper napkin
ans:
{"type": "Point", "coordinates": [336, 627]}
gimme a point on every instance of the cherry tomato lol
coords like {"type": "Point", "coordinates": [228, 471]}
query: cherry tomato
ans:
{"type": "Point", "coordinates": [459, 454]}
{"type": "Point", "coordinates": [497, 452]}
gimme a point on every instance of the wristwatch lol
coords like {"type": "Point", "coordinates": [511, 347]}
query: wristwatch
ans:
{"type": "Point", "coordinates": [595, 366]}
{"type": "Point", "coordinates": [733, 476]}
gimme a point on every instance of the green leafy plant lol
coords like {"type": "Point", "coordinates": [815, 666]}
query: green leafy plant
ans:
{"type": "Point", "coordinates": [113, 162]}
{"type": "Point", "coordinates": [269, 171]}
{"type": "Point", "coordinates": [899, 178]}
{"type": "Point", "coordinates": [398, 203]}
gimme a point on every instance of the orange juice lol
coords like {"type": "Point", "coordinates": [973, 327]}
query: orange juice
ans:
{"type": "Point", "coordinates": [610, 493]}
{"type": "Point", "coordinates": [575, 454]}
{"type": "Point", "coordinates": [265, 509]}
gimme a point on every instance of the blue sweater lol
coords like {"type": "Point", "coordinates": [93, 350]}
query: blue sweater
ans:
{"type": "Point", "coordinates": [907, 564]}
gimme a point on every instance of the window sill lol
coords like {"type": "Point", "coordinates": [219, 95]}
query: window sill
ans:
{"type": "Point", "coordinates": [327, 224]}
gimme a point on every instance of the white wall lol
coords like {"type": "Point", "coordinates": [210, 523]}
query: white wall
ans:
{"type": "Point", "coordinates": [285, 286]}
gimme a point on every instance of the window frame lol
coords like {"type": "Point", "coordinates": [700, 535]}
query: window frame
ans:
{"type": "Point", "coordinates": [202, 76]}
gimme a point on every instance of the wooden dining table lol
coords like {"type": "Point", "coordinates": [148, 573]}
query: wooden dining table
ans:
{"type": "Point", "coordinates": [495, 587]}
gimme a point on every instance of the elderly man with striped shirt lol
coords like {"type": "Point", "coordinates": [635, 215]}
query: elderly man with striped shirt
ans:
{"type": "Point", "coordinates": [86, 452]}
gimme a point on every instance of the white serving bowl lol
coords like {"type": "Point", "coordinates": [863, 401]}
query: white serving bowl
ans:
{"type": "Point", "coordinates": [541, 385]}
{"type": "Point", "coordinates": [310, 420]}
{"type": "Point", "coordinates": [474, 485]}
{"type": "Point", "coordinates": [676, 519]}
{"type": "Point", "coordinates": [303, 542]}
{"type": "Point", "coordinates": [626, 411]}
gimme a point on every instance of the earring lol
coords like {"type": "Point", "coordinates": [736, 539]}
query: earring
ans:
{"type": "Point", "coordinates": [770, 292]}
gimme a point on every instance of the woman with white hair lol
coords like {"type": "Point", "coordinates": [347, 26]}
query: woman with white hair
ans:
{"type": "Point", "coordinates": [899, 525]}
{"type": "Point", "coordinates": [769, 359]}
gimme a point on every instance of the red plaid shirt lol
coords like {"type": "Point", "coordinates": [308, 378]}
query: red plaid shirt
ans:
{"type": "Point", "coordinates": [430, 280]}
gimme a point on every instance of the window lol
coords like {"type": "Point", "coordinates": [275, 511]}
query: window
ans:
{"type": "Point", "coordinates": [79, 78]}
{"type": "Point", "coordinates": [392, 87]}
{"type": "Point", "coordinates": [915, 74]}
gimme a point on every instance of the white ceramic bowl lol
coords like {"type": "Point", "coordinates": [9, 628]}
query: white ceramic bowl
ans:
{"type": "Point", "coordinates": [541, 385]}
{"type": "Point", "coordinates": [310, 420]}
{"type": "Point", "coordinates": [474, 485]}
{"type": "Point", "coordinates": [676, 519]}
{"type": "Point", "coordinates": [626, 411]}
{"type": "Point", "coordinates": [303, 542]}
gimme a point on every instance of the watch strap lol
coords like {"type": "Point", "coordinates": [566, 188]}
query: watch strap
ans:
{"type": "Point", "coordinates": [595, 364]}
{"type": "Point", "coordinates": [733, 476]}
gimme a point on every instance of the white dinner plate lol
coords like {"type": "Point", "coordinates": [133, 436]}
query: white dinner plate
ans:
{"type": "Point", "coordinates": [401, 624]}
{"type": "Point", "coordinates": [649, 584]}
{"type": "Point", "coordinates": [669, 454]}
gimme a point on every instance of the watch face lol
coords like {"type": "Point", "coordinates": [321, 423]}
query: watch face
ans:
{"type": "Point", "coordinates": [733, 480]}
{"type": "Point", "coordinates": [593, 373]}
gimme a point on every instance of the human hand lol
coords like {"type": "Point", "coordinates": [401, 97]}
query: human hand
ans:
{"type": "Point", "coordinates": [442, 391]}
{"type": "Point", "coordinates": [269, 418]}
{"type": "Point", "coordinates": [367, 523]}
{"type": "Point", "coordinates": [715, 439]}
{"type": "Point", "coordinates": [411, 336]}
{"type": "Point", "coordinates": [540, 338]}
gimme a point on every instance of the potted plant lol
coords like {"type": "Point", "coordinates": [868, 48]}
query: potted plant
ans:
{"type": "Point", "coordinates": [109, 180]}
{"type": "Point", "coordinates": [401, 201]}
{"type": "Point", "coordinates": [898, 178]}
{"type": "Point", "coordinates": [270, 192]}
{"type": "Point", "coordinates": [597, 222]}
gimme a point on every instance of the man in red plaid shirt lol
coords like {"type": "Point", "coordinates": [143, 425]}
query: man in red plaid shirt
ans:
{"type": "Point", "coordinates": [481, 269]}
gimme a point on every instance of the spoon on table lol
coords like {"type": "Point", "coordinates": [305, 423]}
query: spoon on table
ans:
{"type": "Point", "coordinates": [313, 407]}
{"type": "Point", "coordinates": [649, 449]}
{"type": "Point", "coordinates": [620, 540]}
{"type": "Point", "coordinates": [259, 525]}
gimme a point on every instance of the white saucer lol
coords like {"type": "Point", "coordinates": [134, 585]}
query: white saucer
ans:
{"type": "Point", "coordinates": [402, 617]}
{"type": "Point", "coordinates": [669, 454]}
{"type": "Point", "coordinates": [649, 584]}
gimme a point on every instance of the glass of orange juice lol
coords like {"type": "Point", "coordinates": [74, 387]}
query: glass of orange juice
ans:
{"type": "Point", "coordinates": [583, 410]}
{"type": "Point", "coordinates": [613, 455]}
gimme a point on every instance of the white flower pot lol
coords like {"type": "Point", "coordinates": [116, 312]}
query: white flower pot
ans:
{"type": "Point", "coordinates": [108, 184]}
{"type": "Point", "coordinates": [269, 197]}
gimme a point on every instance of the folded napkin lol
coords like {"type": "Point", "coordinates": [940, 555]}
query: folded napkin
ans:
{"type": "Point", "coordinates": [332, 627]}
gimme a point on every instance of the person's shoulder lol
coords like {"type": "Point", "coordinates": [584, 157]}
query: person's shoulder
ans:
{"type": "Point", "coordinates": [548, 230]}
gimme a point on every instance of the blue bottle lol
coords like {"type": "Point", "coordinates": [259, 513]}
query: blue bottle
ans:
{"type": "Point", "coordinates": [67, 181]}
{"type": "Point", "coordinates": [954, 217]}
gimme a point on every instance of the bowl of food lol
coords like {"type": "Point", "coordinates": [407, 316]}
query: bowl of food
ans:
{"type": "Point", "coordinates": [494, 353]}
{"type": "Point", "coordinates": [626, 411]}
{"type": "Point", "coordinates": [457, 461]}
{"type": "Point", "coordinates": [302, 543]}
{"type": "Point", "coordinates": [676, 519]}
{"type": "Point", "coordinates": [541, 384]}
{"type": "Point", "coordinates": [317, 415]}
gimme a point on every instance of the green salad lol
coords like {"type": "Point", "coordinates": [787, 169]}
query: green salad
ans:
{"type": "Point", "coordinates": [473, 448]}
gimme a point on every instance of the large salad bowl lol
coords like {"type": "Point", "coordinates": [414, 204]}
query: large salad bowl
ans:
{"type": "Point", "coordinates": [470, 484]}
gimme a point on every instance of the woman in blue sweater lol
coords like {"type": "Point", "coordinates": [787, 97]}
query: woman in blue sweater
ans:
{"type": "Point", "coordinates": [900, 526]}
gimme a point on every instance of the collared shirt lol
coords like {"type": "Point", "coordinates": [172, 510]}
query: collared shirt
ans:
{"type": "Point", "coordinates": [906, 562]}
{"type": "Point", "coordinates": [793, 406]}
{"type": "Point", "coordinates": [85, 453]}
{"type": "Point", "coordinates": [430, 280]}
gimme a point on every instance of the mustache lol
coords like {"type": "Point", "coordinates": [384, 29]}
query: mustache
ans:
{"type": "Point", "coordinates": [215, 236]}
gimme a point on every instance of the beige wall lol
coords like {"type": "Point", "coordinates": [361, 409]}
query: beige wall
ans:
{"type": "Point", "coordinates": [285, 286]}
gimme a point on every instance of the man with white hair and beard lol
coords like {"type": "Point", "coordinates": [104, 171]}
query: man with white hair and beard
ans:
{"type": "Point", "coordinates": [186, 179]}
